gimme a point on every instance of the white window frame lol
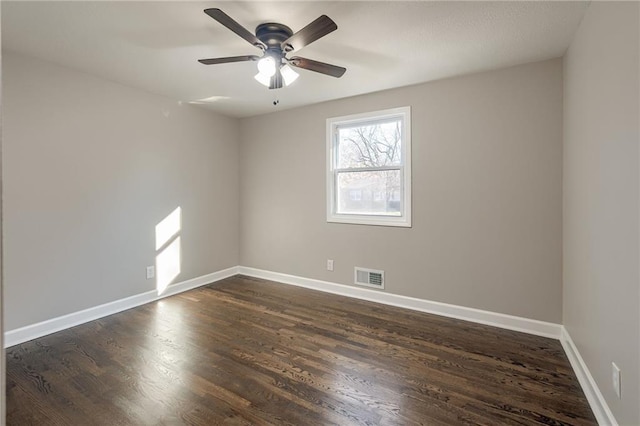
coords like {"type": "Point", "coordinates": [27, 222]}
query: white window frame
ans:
{"type": "Point", "coordinates": [404, 220]}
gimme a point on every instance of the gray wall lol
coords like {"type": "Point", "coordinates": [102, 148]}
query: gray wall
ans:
{"type": "Point", "coordinates": [487, 201]}
{"type": "Point", "coordinates": [90, 167]}
{"type": "Point", "coordinates": [601, 279]}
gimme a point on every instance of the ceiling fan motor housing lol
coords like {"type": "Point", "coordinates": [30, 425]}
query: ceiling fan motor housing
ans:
{"type": "Point", "coordinates": [273, 34]}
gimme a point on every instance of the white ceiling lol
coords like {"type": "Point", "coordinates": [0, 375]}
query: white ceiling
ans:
{"type": "Point", "coordinates": [155, 45]}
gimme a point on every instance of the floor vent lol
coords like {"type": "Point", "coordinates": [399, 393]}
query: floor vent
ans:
{"type": "Point", "coordinates": [369, 277]}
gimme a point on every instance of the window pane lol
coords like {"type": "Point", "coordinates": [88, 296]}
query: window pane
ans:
{"type": "Point", "coordinates": [375, 144]}
{"type": "Point", "coordinates": [369, 193]}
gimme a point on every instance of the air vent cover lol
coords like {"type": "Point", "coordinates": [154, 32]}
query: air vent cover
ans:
{"type": "Point", "coordinates": [369, 277]}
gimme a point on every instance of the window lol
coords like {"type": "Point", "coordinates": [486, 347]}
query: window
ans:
{"type": "Point", "coordinates": [369, 168]}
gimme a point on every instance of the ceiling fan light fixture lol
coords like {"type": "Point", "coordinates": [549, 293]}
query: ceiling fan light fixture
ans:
{"type": "Point", "coordinates": [288, 75]}
{"type": "Point", "coordinates": [267, 66]}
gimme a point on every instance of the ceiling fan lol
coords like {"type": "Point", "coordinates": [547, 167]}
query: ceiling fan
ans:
{"type": "Point", "coordinates": [276, 40]}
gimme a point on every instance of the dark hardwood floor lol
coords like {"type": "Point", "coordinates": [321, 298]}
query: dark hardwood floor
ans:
{"type": "Point", "coordinates": [245, 351]}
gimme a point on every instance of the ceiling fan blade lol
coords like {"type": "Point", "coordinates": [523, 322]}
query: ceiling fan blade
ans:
{"type": "Point", "coordinates": [321, 67]}
{"type": "Point", "coordinates": [318, 28]}
{"type": "Point", "coordinates": [228, 22]}
{"type": "Point", "coordinates": [228, 59]}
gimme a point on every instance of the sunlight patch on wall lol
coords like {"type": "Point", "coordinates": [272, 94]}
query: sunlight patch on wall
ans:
{"type": "Point", "coordinates": [168, 227]}
{"type": "Point", "coordinates": [169, 258]}
{"type": "Point", "coordinates": [168, 265]}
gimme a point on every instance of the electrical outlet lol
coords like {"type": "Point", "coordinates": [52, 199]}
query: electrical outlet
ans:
{"type": "Point", "coordinates": [151, 272]}
{"type": "Point", "coordinates": [615, 378]}
{"type": "Point", "coordinates": [330, 265]}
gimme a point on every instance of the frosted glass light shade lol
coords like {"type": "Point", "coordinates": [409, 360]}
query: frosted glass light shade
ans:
{"type": "Point", "coordinates": [267, 66]}
{"type": "Point", "coordinates": [288, 74]}
{"type": "Point", "coordinates": [262, 79]}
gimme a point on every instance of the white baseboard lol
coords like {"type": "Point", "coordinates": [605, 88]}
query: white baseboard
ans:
{"type": "Point", "coordinates": [525, 325]}
{"type": "Point", "coordinates": [601, 410]}
{"type": "Point", "coordinates": [30, 332]}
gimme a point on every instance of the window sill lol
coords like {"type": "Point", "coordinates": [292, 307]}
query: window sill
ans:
{"type": "Point", "coordinates": [402, 222]}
